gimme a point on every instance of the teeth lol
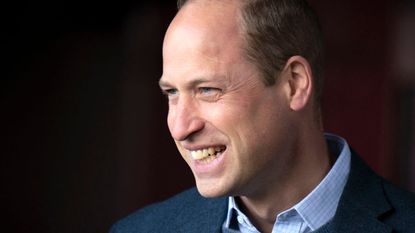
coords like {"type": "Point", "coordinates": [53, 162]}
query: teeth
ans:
{"type": "Point", "coordinates": [197, 154]}
{"type": "Point", "coordinates": [205, 154]}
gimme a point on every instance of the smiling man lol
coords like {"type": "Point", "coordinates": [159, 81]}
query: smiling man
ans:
{"type": "Point", "coordinates": [243, 80]}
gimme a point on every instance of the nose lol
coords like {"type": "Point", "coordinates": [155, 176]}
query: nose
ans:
{"type": "Point", "coordinates": [184, 119]}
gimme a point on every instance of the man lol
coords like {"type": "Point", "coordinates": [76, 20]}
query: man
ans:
{"type": "Point", "coordinates": [243, 81]}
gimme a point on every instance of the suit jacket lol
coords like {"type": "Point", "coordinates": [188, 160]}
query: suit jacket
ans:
{"type": "Point", "coordinates": [368, 204]}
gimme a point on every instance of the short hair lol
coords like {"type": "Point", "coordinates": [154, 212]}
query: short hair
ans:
{"type": "Point", "coordinates": [274, 31]}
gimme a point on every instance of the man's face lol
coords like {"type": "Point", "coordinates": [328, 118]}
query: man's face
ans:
{"type": "Point", "coordinates": [231, 129]}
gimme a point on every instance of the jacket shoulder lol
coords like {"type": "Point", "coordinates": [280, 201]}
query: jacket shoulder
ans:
{"type": "Point", "coordinates": [169, 215]}
{"type": "Point", "coordinates": [402, 215]}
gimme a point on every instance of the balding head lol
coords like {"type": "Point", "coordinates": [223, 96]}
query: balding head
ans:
{"type": "Point", "coordinates": [206, 29]}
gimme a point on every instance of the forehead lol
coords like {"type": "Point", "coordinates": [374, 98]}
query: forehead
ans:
{"type": "Point", "coordinates": [203, 33]}
{"type": "Point", "coordinates": [210, 25]}
{"type": "Point", "coordinates": [218, 14]}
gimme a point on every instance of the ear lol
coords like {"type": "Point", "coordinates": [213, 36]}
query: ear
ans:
{"type": "Point", "coordinates": [299, 77]}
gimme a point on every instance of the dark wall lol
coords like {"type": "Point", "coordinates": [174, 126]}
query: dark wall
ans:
{"type": "Point", "coordinates": [370, 81]}
{"type": "Point", "coordinates": [84, 135]}
{"type": "Point", "coordinates": [84, 139]}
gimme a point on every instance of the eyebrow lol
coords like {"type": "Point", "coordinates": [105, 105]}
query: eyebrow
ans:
{"type": "Point", "coordinates": [194, 82]}
{"type": "Point", "coordinates": [163, 83]}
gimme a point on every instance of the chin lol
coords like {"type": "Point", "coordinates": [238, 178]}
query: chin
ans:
{"type": "Point", "coordinates": [211, 190]}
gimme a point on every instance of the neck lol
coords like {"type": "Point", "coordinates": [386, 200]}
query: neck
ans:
{"type": "Point", "coordinates": [310, 163]}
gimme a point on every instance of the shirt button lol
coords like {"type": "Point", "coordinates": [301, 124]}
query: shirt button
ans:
{"type": "Point", "coordinates": [240, 219]}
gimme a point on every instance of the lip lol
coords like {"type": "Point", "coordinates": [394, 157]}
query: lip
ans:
{"type": "Point", "coordinates": [200, 147]}
{"type": "Point", "coordinates": [214, 168]}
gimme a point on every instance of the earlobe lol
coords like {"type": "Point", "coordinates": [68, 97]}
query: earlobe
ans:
{"type": "Point", "coordinates": [300, 82]}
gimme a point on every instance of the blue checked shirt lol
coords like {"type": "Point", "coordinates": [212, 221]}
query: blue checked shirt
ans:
{"type": "Point", "coordinates": [316, 209]}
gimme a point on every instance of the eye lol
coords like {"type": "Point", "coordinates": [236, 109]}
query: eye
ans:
{"type": "Point", "coordinates": [209, 93]}
{"type": "Point", "coordinates": [171, 92]}
{"type": "Point", "coordinates": [208, 90]}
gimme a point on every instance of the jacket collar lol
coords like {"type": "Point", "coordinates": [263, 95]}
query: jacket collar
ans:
{"type": "Point", "coordinates": [199, 214]}
{"type": "Point", "coordinates": [362, 203]}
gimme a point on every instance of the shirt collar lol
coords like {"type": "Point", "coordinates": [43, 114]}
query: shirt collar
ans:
{"type": "Point", "coordinates": [320, 205]}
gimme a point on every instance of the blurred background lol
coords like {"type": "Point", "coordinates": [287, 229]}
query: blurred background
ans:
{"type": "Point", "coordinates": [84, 136]}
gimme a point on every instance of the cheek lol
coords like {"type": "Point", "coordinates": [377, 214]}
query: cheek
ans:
{"type": "Point", "coordinates": [257, 124]}
{"type": "Point", "coordinates": [235, 121]}
{"type": "Point", "coordinates": [226, 111]}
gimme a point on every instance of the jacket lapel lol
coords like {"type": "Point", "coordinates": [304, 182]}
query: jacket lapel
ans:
{"type": "Point", "coordinates": [200, 215]}
{"type": "Point", "coordinates": [362, 203]}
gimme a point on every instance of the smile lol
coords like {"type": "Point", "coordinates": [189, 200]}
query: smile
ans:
{"type": "Point", "coordinates": [207, 154]}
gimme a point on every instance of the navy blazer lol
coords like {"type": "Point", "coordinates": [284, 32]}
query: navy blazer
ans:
{"type": "Point", "coordinates": [368, 204]}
